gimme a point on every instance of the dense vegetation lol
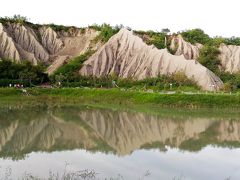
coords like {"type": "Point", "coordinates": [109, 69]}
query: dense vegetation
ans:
{"type": "Point", "coordinates": [21, 73]}
{"type": "Point", "coordinates": [22, 20]}
{"type": "Point", "coordinates": [196, 36]}
{"type": "Point", "coordinates": [160, 40]}
{"type": "Point", "coordinates": [232, 41]}
{"type": "Point", "coordinates": [208, 57]}
{"type": "Point", "coordinates": [174, 82]}
{"type": "Point", "coordinates": [199, 36]}
{"type": "Point", "coordinates": [153, 38]}
{"type": "Point", "coordinates": [15, 19]}
{"type": "Point", "coordinates": [231, 81]}
{"type": "Point", "coordinates": [106, 31]}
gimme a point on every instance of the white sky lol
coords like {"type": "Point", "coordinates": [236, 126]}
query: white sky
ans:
{"type": "Point", "coordinates": [215, 17]}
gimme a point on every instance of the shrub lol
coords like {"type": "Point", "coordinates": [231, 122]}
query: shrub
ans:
{"type": "Point", "coordinates": [158, 41]}
{"type": "Point", "coordinates": [209, 57]}
{"type": "Point", "coordinates": [232, 81]}
{"type": "Point", "coordinates": [216, 41]}
{"type": "Point", "coordinates": [227, 87]}
{"type": "Point", "coordinates": [233, 41]}
{"type": "Point", "coordinates": [15, 19]}
{"type": "Point", "coordinates": [177, 80]}
{"type": "Point", "coordinates": [106, 32]}
{"type": "Point", "coordinates": [196, 36]}
{"type": "Point", "coordinates": [70, 70]}
{"type": "Point", "coordinates": [95, 27]}
{"type": "Point", "coordinates": [60, 27]}
{"type": "Point", "coordinates": [153, 38]}
{"type": "Point", "coordinates": [23, 72]}
{"type": "Point", "coordinates": [181, 79]}
{"type": "Point", "coordinates": [7, 82]}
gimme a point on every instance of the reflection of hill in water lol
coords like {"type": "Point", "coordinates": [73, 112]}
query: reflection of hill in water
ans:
{"type": "Point", "coordinates": [24, 131]}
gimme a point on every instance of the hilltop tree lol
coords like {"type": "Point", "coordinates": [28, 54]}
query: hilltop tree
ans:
{"type": "Point", "coordinates": [196, 36]}
{"type": "Point", "coordinates": [15, 19]}
{"type": "Point", "coordinates": [165, 30]}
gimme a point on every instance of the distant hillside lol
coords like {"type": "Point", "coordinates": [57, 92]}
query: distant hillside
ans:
{"type": "Point", "coordinates": [56, 47]}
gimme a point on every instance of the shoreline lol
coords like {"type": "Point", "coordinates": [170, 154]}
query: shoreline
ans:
{"type": "Point", "coordinates": [117, 97]}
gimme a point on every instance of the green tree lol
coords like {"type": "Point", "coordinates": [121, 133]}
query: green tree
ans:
{"type": "Point", "coordinates": [196, 36]}
{"type": "Point", "coordinates": [158, 40]}
{"type": "Point", "coordinates": [165, 30]}
{"type": "Point", "coordinates": [21, 72]}
{"type": "Point", "coordinates": [233, 41]}
{"type": "Point", "coordinates": [209, 57]}
{"type": "Point", "coordinates": [106, 32]}
{"type": "Point", "coordinates": [216, 41]}
{"type": "Point", "coordinates": [20, 19]}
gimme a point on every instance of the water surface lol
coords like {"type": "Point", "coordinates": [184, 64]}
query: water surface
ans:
{"type": "Point", "coordinates": [118, 143]}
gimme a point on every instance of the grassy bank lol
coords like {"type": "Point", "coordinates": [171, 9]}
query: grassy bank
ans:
{"type": "Point", "coordinates": [116, 97]}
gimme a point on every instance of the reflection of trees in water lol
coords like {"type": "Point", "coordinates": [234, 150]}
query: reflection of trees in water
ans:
{"type": "Point", "coordinates": [23, 131]}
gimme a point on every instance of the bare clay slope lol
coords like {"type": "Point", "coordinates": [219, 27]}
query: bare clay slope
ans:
{"type": "Point", "coordinates": [43, 45]}
{"type": "Point", "coordinates": [230, 58]}
{"type": "Point", "coordinates": [127, 56]}
{"type": "Point", "coordinates": [182, 47]}
{"type": "Point", "coordinates": [7, 45]}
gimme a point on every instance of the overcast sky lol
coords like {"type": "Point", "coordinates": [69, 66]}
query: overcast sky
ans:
{"type": "Point", "coordinates": [215, 17]}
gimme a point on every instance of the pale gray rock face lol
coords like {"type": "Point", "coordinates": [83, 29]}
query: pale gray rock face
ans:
{"type": "Point", "coordinates": [50, 40]}
{"type": "Point", "coordinates": [27, 43]}
{"type": "Point", "coordinates": [7, 46]}
{"type": "Point", "coordinates": [127, 56]}
{"type": "Point", "coordinates": [230, 58]}
{"type": "Point", "coordinates": [182, 47]}
{"type": "Point", "coordinates": [43, 45]}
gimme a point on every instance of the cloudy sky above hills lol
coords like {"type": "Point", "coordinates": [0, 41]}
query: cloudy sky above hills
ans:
{"type": "Point", "coordinates": [215, 17]}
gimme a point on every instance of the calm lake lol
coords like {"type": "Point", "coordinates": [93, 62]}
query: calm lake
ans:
{"type": "Point", "coordinates": [118, 144]}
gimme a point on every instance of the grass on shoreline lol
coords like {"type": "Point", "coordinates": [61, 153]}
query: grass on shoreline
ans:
{"type": "Point", "coordinates": [117, 97]}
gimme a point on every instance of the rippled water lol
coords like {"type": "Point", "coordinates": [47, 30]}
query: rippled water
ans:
{"type": "Point", "coordinates": [118, 144]}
